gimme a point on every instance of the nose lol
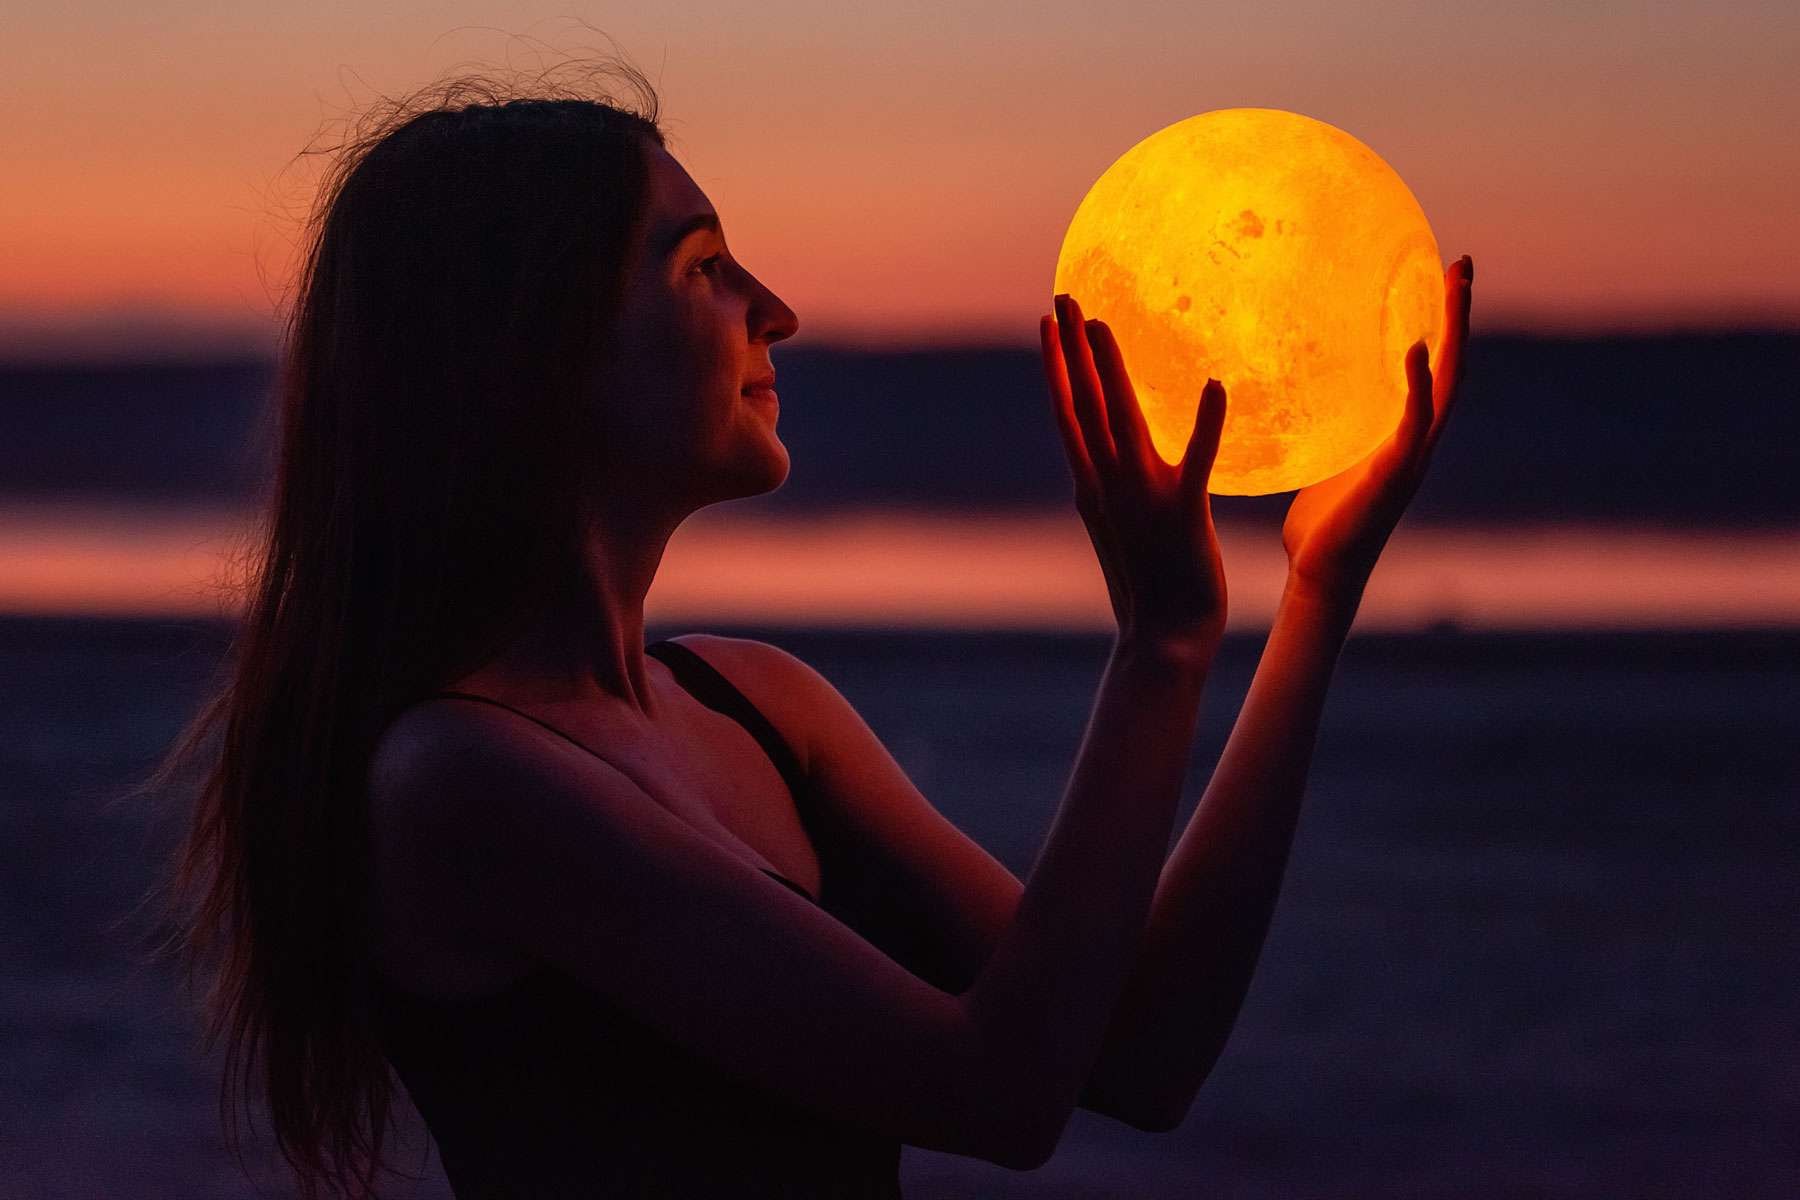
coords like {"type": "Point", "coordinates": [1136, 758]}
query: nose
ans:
{"type": "Point", "coordinates": [770, 320]}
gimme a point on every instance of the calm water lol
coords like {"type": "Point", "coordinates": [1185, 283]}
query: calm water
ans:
{"type": "Point", "coordinates": [1538, 936]}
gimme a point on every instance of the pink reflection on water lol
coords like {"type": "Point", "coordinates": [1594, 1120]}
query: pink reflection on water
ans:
{"type": "Point", "coordinates": [119, 561]}
{"type": "Point", "coordinates": [1023, 571]}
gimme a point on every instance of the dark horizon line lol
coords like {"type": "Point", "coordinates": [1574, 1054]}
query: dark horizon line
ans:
{"type": "Point", "coordinates": [135, 355]}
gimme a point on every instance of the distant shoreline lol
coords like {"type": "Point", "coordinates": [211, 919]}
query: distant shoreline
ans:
{"type": "Point", "coordinates": [1692, 431]}
{"type": "Point", "coordinates": [29, 348]}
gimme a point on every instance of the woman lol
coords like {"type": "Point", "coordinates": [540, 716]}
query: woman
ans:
{"type": "Point", "coordinates": [673, 922]}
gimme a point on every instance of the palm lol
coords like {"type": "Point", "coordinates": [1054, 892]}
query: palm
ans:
{"type": "Point", "coordinates": [1336, 528]}
{"type": "Point", "coordinates": [1325, 513]}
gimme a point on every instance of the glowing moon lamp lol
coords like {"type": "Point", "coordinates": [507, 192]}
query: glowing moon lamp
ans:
{"type": "Point", "coordinates": [1277, 254]}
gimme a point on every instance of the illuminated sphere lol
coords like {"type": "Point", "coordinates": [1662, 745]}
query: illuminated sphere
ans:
{"type": "Point", "coordinates": [1276, 254]}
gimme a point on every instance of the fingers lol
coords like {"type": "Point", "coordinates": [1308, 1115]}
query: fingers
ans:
{"type": "Point", "coordinates": [1084, 385]}
{"type": "Point", "coordinates": [1125, 420]}
{"type": "Point", "coordinates": [1451, 357]}
{"type": "Point", "coordinates": [1062, 407]}
{"type": "Point", "coordinates": [1203, 442]}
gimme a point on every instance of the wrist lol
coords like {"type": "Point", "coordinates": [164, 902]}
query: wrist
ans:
{"type": "Point", "coordinates": [1188, 652]}
{"type": "Point", "coordinates": [1329, 604]}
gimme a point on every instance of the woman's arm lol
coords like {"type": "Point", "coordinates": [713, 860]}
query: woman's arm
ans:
{"type": "Point", "coordinates": [522, 845]}
{"type": "Point", "coordinates": [1218, 890]}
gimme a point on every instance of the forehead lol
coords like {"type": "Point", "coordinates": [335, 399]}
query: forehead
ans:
{"type": "Point", "coordinates": [674, 196]}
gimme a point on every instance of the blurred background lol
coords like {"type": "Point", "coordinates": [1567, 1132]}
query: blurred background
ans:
{"type": "Point", "coordinates": [1538, 935]}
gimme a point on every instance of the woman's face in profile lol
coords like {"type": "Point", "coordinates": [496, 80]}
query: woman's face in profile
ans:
{"type": "Point", "coordinates": [679, 407]}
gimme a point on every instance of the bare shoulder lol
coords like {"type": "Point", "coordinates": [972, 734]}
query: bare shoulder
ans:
{"type": "Point", "coordinates": [446, 780]}
{"type": "Point", "coordinates": [801, 703]}
{"type": "Point", "coordinates": [466, 800]}
{"type": "Point", "coordinates": [440, 749]}
{"type": "Point", "coordinates": [446, 775]}
{"type": "Point", "coordinates": [756, 661]}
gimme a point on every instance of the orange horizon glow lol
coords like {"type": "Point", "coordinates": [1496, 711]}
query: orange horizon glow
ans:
{"type": "Point", "coordinates": [905, 176]}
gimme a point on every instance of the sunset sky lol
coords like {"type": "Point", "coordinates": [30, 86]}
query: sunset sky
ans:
{"type": "Point", "coordinates": [904, 173]}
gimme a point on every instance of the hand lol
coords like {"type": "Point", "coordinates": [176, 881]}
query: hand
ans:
{"type": "Point", "coordinates": [1151, 523]}
{"type": "Point", "coordinates": [1336, 528]}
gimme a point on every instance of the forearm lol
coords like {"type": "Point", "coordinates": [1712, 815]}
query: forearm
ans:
{"type": "Point", "coordinates": [1218, 890]}
{"type": "Point", "coordinates": [1042, 1003]}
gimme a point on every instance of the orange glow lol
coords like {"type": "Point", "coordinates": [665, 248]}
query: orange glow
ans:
{"type": "Point", "coordinates": [900, 174]}
{"type": "Point", "coordinates": [1277, 254]}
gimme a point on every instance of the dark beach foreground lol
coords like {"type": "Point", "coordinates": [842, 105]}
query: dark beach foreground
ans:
{"type": "Point", "coordinates": [1538, 936]}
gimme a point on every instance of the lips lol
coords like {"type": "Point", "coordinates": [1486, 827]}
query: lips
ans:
{"type": "Point", "coordinates": [760, 389]}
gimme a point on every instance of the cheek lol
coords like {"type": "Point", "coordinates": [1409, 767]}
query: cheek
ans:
{"type": "Point", "coordinates": [660, 370]}
{"type": "Point", "coordinates": [694, 354]}
{"type": "Point", "coordinates": [676, 397]}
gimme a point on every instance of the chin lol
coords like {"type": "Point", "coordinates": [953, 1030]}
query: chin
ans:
{"type": "Point", "coordinates": [775, 470]}
{"type": "Point", "coordinates": [758, 475]}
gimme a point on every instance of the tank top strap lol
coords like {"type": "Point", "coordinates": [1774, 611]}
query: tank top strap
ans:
{"type": "Point", "coordinates": [703, 681]}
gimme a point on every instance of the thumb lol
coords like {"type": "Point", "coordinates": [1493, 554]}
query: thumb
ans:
{"type": "Point", "coordinates": [1416, 418]}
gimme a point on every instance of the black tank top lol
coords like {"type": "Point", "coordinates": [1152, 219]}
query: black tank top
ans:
{"type": "Point", "coordinates": [546, 1089]}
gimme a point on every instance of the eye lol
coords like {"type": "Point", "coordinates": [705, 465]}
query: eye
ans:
{"type": "Point", "coordinates": [710, 264]}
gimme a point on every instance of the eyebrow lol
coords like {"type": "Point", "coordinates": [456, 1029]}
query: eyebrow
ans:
{"type": "Point", "coordinates": [698, 221]}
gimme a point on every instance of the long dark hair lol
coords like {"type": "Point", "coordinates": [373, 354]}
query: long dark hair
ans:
{"type": "Point", "coordinates": [462, 265]}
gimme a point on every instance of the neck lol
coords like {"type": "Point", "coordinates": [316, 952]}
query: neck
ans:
{"type": "Point", "coordinates": [586, 640]}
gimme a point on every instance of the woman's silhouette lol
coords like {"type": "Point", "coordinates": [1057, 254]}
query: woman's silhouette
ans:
{"type": "Point", "coordinates": [674, 923]}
